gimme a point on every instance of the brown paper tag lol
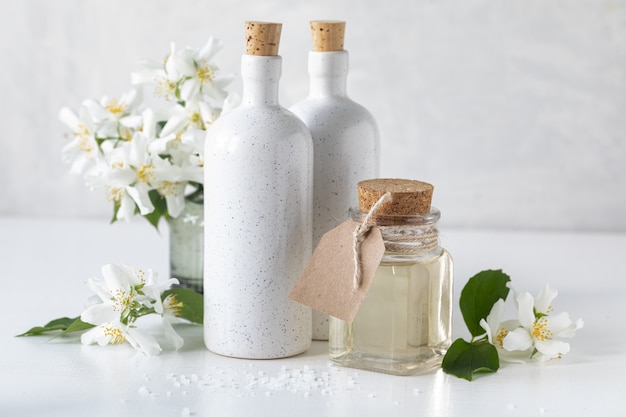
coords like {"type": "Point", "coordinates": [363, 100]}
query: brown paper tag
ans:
{"type": "Point", "coordinates": [327, 283]}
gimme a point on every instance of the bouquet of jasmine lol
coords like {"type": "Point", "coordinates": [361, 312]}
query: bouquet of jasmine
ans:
{"type": "Point", "coordinates": [148, 160]}
{"type": "Point", "coordinates": [122, 296]}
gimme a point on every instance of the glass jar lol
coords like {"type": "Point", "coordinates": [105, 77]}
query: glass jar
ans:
{"type": "Point", "coordinates": [403, 327]}
{"type": "Point", "coordinates": [187, 243]}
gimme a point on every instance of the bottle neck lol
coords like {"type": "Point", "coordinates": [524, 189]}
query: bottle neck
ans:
{"type": "Point", "coordinates": [328, 72]}
{"type": "Point", "coordinates": [260, 75]}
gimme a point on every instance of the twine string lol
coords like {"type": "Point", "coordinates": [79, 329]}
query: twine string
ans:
{"type": "Point", "coordinates": [407, 240]}
{"type": "Point", "coordinates": [359, 235]}
{"type": "Point", "coordinates": [417, 239]}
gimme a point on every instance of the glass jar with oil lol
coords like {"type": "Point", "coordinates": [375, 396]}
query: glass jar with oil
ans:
{"type": "Point", "coordinates": [403, 326]}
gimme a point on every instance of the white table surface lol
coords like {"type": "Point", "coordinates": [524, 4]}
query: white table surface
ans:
{"type": "Point", "coordinates": [44, 265]}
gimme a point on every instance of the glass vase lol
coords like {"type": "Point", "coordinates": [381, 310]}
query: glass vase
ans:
{"type": "Point", "coordinates": [187, 243]}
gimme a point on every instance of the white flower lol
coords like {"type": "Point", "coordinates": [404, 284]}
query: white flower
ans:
{"type": "Point", "coordinates": [137, 172]}
{"type": "Point", "coordinates": [152, 289]}
{"type": "Point", "coordinates": [168, 308]}
{"type": "Point", "coordinates": [186, 74]}
{"type": "Point", "coordinates": [491, 325]}
{"type": "Point", "coordinates": [496, 329]}
{"type": "Point", "coordinates": [171, 307]}
{"type": "Point", "coordinates": [124, 296]}
{"type": "Point", "coordinates": [171, 141]}
{"type": "Point", "coordinates": [202, 74]}
{"type": "Point", "coordinates": [170, 181]}
{"type": "Point", "coordinates": [117, 293]}
{"type": "Point", "coordinates": [538, 330]}
{"type": "Point", "coordinates": [82, 151]}
{"type": "Point", "coordinates": [126, 173]}
{"type": "Point", "coordinates": [154, 73]}
{"type": "Point", "coordinates": [114, 315]}
{"type": "Point", "coordinates": [113, 117]}
{"type": "Point", "coordinates": [116, 333]}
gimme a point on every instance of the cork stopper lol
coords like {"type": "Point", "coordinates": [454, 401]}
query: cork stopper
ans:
{"type": "Point", "coordinates": [328, 35]}
{"type": "Point", "coordinates": [409, 197]}
{"type": "Point", "coordinates": [262, 38]}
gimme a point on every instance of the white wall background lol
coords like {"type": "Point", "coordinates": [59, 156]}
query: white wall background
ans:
{"type": "Point", "coordinates": [514, 109]}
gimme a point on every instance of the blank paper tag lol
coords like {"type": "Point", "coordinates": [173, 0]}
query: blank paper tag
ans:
{"type": "Point", "coordinates": [327, 283]}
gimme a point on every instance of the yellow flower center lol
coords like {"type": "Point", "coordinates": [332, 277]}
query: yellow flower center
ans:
{"type": "Point", "coordinates": [116, 336]}
{"type": "Point", "coordinates": [122, 300]}
{"type": "Point", "coordinates": [168, 188]}
{"type": "Point", "coordinates": [117, 165]}
{"type": "Point", "coordinates": [114, 194]}
{"type": "Point", "coordinates": [126, 134]}
{"type": "Point", "coordinates": [85, 145]}
{"type": "Point", "coordinates": [165, 88]}
{"type": "Point", "coordinates": [206, 72]}
{"type": "Point", "coordinates": [81, 130]}
{"type": "Point", "coordinates": [196, 120]}
{"type": "Point", "coordinates": [145, 173]}
{"type": "Point", "coordinates": [172, 306]}
{"type": "Point", "coordinates": [141, 275]}
{"type": "Point", "coordinates": [501, 335]}
{"type": "Point", "coordinates": [116, 107]}
{"type": "Point", "coordinates": [540, 329]}
{"type": "Point", "coordinates": [178, 139]}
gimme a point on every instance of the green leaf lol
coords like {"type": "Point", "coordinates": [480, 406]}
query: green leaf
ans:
{"type": "Point", "coordinates": [479, 295]}
{"type": "Point", "coordinates": [65, 324]}
{"type": "Point", "coordinates": [192, 308]}
{"type": "Point", "coordinates": [77, 326]}
{"type": "Point", "coordinates": [160, 209]}
{"type": "Point", "coordinates": [465, 359]}
{"type": "Point", "coordinates": [116, 209]}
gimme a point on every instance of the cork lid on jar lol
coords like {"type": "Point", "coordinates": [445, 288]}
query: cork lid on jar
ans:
{"type": "Point", "coordinates": [262, 38]}
{"type": "Point", "coordinates": [408, 197]}
{"type": "Point", "coordinates": [328, 35]}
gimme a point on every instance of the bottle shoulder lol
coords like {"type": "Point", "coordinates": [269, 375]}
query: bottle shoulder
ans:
{"type": "Point", "coordinates": [269, 125]}
{"type": "Point", "coordinates": [259, 118]}
{"type": "Point", "coordinates": [338, 109]}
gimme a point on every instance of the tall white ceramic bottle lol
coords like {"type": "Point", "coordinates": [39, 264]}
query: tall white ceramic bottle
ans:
{"type": "Point", "coordinates": [345, 137]}
{"type": "Point", "coordinates": [258, 202]}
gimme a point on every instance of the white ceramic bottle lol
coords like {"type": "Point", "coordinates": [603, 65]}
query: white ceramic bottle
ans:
{"type": "Point", "coordinates": [258, 202]}
{"type": "Point", "coordinates": [345, 137]}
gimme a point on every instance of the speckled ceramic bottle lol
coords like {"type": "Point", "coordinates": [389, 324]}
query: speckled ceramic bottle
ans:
{"type": "Point", "coordinates": [345, 137]}
{"type": "Point", "coordinates": [258, 201]}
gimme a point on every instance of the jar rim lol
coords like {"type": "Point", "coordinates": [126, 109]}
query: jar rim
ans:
{"type": "Point", "coordinates": [385, 219]}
